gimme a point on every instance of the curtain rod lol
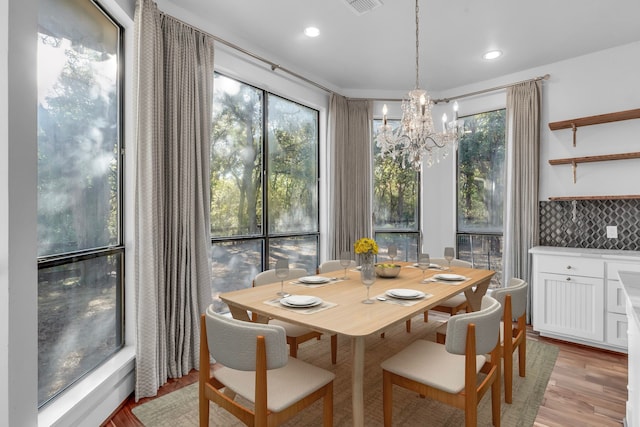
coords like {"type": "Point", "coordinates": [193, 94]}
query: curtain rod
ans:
{"type": "Point", "coordinates": [466, 95]}
{"type": "Point", "coordinates": [272, 64]}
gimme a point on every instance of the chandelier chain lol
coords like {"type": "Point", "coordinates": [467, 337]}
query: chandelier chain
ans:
{"type": "Point", "coordinates": [414, 138]}
{"type": "Point", "coordinates": [417, 48]}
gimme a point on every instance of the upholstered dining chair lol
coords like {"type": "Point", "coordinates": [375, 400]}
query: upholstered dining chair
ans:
{"type": "Point", "coordinates": [333, 265]}
{"type": "Point", "coordinates": [255, 365]}
{"type": "Point", "coordinates": [296, 335]}
{"type": "Point", "coordinates": [449, 373]}
{"type": "Point", "coordinates": [513, 333]}
{"type": "Point", "coordinates": [458, 302]}
{"type": "Point", "coordinates": [513, 330]}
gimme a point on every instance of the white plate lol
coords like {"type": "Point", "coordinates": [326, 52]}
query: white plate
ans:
{"type": "Point", "coordinates": [449, 277]}
{"type": "Point", "coordinates": [438, 266]}
{"type": "Point", "coordinates": [405, 293]}
{"type": "Point", "coordinates": [314, 280]}
{"type": "Point", "coordinates": [300, 301]}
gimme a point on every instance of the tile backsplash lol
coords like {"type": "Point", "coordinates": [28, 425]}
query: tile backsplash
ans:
{"type": "Point", "coordinates": [583, 224]}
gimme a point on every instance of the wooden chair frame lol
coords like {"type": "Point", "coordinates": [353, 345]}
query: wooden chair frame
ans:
{"type": "Point", "coordinates": [209, 390]}
{"type": "Point", "coordinates": [467, 399]}
{"type": "Point", "coordinates": [514, 337]}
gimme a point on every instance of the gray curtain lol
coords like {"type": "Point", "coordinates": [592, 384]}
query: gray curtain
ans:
{"type": "Point", "coordinates": [350, 137]}
{"type": "Point", "coordinates": [521, 230]}
{"type": "Point", "coordinates": [174, 91]}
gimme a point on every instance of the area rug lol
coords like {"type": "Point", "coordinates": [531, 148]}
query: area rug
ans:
{"type": "Point", "coordinates": [180, 408]}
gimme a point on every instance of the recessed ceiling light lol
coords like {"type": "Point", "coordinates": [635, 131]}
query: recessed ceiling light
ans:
{"type": "Point", "coordinates": [492, 54]}
{"type": "Point", "coordinates": [311, 32]}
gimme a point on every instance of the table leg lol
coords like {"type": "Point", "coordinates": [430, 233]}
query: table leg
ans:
{"type": "Point", "coordinates": [475, 297]}
{"type": "Point", "coordinates": [357, 386]}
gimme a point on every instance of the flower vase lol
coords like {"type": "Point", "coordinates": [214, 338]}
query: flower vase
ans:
{"type": "Point", "coordinates": [366, 259]}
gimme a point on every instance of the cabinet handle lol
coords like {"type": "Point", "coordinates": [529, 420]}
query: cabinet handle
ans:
{"type": "Point", "coordinates": [568, 279]}
{"type": "Point", "coordinates": [568, 267]}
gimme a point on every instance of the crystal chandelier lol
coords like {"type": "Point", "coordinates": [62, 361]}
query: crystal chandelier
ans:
{"type": "Point", "coordinates": [416, 138]}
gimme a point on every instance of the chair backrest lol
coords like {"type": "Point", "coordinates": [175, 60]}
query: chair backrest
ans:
{"type": "Point", "coordinates": [269, 276]}
{"type": "Point", "coordinates": [487, 321]}
{"type": "Point", "coordinates": [333, 265]}
{"type": "Point", "coordinates": [232, 342]}
{"type": "Point", "coordinates": [454, 262]}
{"type": "Point", "coordinates": [517, 288]}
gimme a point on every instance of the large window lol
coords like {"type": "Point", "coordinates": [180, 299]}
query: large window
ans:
{"type": "Point", "coordinates": [480, 194]}
{"type": "Point", "coordinates": [395, 203]}
{"type": "Point", "coordinates": [264, 184]}
{"type": "Point", "coordinates": [80, 250]}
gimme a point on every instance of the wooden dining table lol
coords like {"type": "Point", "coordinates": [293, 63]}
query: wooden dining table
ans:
{"type": "Point", "coordinates": [347, 315]}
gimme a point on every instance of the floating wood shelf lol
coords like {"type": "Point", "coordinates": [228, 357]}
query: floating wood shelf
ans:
{"type": "Point", "coordinates": [573, 161]}
{"type": "Point", "coordinates": [570, 198]}
{"type": "Point", "coordinates": [594, 120]}
{"type": "Point", "coordinates": [589, 159]}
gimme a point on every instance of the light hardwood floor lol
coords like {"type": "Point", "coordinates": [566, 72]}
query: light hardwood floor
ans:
{"type": "Point", "coordinates": [588, 387]}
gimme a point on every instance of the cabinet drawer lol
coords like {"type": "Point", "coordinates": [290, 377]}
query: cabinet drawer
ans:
{"type": "Point", "coordinates": [614, 267]}
{"type": "Point", "coordinates": [616, 299]}
{"type": "Point", "coordinates": [576, 266]}
{"type": "Point", "coordinates": [617, 326]}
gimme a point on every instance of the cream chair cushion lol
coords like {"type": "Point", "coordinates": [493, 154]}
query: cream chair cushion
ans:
{"type": "Point", "coordinates": [443, 366]}
{"type": "Point", "coordinates": [285, 385]}
{"type": "Point", "coordinates": [233, 344]}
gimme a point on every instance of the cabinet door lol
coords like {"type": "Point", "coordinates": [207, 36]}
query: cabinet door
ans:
{"type": "Point", "coordinates": [570, 305]}
{"type": "Point", "coordinates": [617, 327]}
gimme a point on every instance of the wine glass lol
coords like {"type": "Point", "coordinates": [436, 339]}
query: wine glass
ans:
{"type": "Point", "coordinates": [449, 254]}
{"type": "Point", "coordinates": [423, 263]}
{"type": "Point", "coordinates": [282, 272]}
{"type": "Point", "coordinates": [392, 251]}
{"type": "Point", "coordinates": [345, 261]}
{"type": "Point", "coordinates": [367, 276]}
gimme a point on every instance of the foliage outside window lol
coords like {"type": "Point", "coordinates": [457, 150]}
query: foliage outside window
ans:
{"type": "Point", "coordinates": [481, 186]}
{"type": "Point", "coordinates": [264, 184]}
{"type": "Point", "coordinates": [80, 251]}
{"type": "Point", "coordinates": [395, 203]}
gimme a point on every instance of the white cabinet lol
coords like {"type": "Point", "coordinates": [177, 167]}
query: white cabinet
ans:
{"type": "Point", "coordinates": [569, 304]}
{"type": "Point", "coordinates": [577, 296]}
{"type": "Point", "coordinates": [630, 281]}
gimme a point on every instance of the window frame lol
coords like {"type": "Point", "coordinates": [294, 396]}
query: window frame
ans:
{"type": "Point", "coordinates": [265, 237]}
{"type": "Point", "coordinates": [74, 257]}
{"type": "Point", "coordinates": [486, 237]}
{"type": "Point", "coordinates": [379, 232]}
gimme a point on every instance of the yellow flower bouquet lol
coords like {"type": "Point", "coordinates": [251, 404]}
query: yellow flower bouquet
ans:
{"type": "Point", "coordinates": [366, 245]}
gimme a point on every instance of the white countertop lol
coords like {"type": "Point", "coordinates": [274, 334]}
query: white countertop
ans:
{"type": "Point", "coordinates": [588, 252]}
{"type": "Point", "coordinates": [631, 284]}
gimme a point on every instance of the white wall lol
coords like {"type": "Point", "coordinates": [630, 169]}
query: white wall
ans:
{"type": "Point", "coordinates": [599, 83]}
{"type": "Point", "coordinates": [97, 396]}
{"type": "Point", "coordinates": [18, 280]}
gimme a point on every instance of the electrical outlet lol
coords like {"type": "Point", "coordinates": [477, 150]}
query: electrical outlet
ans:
{"type": "Point", "coordinates": [612, 232]}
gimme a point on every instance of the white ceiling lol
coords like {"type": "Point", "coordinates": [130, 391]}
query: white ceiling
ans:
{"type": "Point", "coordinates": [376, 51]}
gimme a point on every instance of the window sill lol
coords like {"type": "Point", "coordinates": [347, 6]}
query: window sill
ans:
{"type": "Point", "coordinates": [93, 400]}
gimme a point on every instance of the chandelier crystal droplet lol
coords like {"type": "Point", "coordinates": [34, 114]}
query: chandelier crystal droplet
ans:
{"type": "Point", "coordinates": [415, 139]}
